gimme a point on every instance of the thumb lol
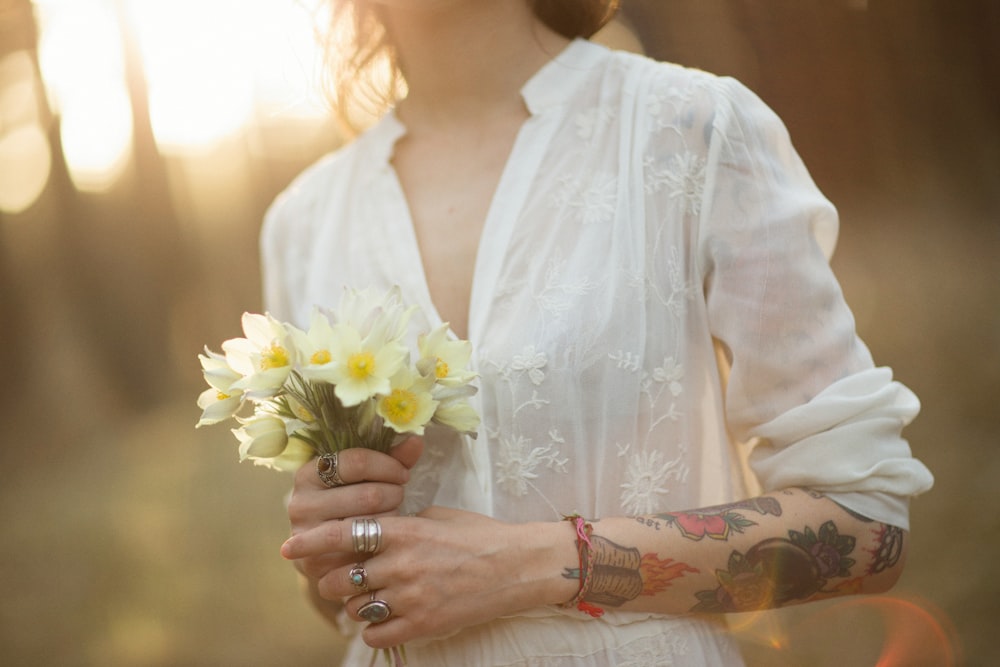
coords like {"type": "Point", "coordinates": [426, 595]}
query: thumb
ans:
{"type": "Point", "coordinates": [408, 451]}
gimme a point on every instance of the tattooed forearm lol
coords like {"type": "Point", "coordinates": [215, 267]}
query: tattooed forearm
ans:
{"type": "Point", "coordinates": [717, 522]}
{"type": "Point", "coordinates": [778, 571]}
{"type": "Point", "coordinates": [620, 574]}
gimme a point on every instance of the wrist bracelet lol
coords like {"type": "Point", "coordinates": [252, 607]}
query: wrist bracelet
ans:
{"type": "Point", "coordinates": [585, 554]}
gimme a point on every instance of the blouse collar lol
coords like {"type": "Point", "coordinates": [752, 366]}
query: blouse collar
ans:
{"type": "Point", "coordinates": [551, 86]}
{"type": "Point", "coordinates": [554, 83]}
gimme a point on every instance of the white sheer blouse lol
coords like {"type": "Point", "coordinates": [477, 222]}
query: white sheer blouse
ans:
{"type": "Point", "coordinates": [649, 216]}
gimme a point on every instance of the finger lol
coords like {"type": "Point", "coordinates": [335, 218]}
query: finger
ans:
{"type": "Point", "coordinates": [307, 509]}
{"type": "Point", "coordinates": [408, 451]}
{"type": "Point", "coordinates": [356, 465]}
{"type": "Point", "coordinates": [441, 513]}
{"type": "Point", "coordinates": [360, 577]}
{"type": "Point", "coordinates": [320, 567]}
{"type": "Point", "coordinates": [385, 634]}
{"type": "Point", "coordinates": [391, 634]}
{"type": "Point", "coordinates": [329, 537]}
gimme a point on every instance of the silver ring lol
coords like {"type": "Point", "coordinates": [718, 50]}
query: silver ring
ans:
{"type": "Point", "coordinates": [375, 611]}
{"type": "Point", "coordinates": [367, 535]}
{"type": "Point", "coordinates": [328, 469]}
{"type": "Point", "coordinates": [358, 577]}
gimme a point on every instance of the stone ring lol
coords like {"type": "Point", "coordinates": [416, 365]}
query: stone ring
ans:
{"type": "Point", "coordinates": [375, 611]}
{"type": "Point", "coordinates": [358, 577]}
{"type": "Point", "coordinates": [367, 535]}
{"type": "Point", "coordinates": [329, 471]}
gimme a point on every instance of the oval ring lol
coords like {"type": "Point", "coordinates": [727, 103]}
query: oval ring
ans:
{"type": "Point", "coordinates": [375, 611]}
{"type": "Point", "coordinates": [358, 576]}
{"type": "Point", "coordinates": [328, 469]}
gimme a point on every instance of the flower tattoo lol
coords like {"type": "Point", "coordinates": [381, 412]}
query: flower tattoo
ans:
{"type": "Point", "coordinates": [777, 571]}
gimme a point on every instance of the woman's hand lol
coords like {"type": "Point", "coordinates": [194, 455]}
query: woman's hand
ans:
{"type": "Point", "coordinates": [444, 570]}
{"type": "Point", "coordinates": [373, 486]}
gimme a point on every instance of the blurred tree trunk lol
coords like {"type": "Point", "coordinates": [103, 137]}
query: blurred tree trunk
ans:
{"type": "Point", "coordinates": [121, 261]}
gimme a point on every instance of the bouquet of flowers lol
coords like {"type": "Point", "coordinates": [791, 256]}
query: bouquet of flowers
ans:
{"type": "Point", "coordinates": [347, 381]}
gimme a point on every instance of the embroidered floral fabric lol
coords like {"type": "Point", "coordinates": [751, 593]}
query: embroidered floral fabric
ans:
{"type": "Point", "coordinates": [647, 214]}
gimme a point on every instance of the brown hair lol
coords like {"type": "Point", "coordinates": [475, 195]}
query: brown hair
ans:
{"type": "Point", "coordinates": [361, 64]}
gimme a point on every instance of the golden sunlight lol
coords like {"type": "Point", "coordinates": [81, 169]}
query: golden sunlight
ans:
{"type": "Point", "coordinates": [211, 69]}
{"type": "Point", "coordinates": [83, 67]}
{"type": "Point", "coordinates": [211, 64]}
{"type": "Point", "coordinates": [25, 155]}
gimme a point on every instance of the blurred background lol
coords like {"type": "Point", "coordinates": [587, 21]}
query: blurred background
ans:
{"type": "Point", "coordinates": [141, 141]}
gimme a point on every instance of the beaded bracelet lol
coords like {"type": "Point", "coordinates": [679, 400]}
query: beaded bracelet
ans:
{"type": "Point", "coordinates": [585, 554]}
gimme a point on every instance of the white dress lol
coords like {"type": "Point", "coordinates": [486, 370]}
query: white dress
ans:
{"type": "Point", "coordinates": [648, 215]}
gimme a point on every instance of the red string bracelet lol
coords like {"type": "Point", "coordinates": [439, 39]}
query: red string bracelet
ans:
{"type": "Point", "coordinates": [585, 555]}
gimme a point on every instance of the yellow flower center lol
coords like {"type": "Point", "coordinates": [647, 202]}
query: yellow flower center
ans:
{"type": "Point", "coordinates": [361, 365]}
{"type": "Point", "coordinates": [400, 407]}
{"type": "Point", "coordinates": [441, 368]}
{"type": "Point", "coordinates": [274, 357]}
{"type": "Point", "coordinates": [320, 357]}
{"type": "Point", "coordinates": [222, 396]}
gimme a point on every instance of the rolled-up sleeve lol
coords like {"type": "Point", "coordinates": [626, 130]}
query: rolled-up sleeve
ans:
{"type": "Point", "coordinates": [802, 385]}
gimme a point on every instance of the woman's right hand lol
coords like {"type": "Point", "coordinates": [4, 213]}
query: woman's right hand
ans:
{"type": "Point", "coordinates": [373, 486]}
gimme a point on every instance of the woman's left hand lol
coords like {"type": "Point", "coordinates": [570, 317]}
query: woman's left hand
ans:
{"type": "Point", "coordinates": [445, 569]}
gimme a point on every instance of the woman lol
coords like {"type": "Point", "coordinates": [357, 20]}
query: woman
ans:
{"type": "Point", "coordinates": [599, 226]}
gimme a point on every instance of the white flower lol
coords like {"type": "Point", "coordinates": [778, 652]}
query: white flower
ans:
{"type": "Point", "coordinates": [363, 367]}
{"type": "Point", "coordinates": [408, 406]}
{"type": "Point", "coordinates": [448, 359]}
{"type": "Point", "coordinates": [261, 437]}
{"type": "Point", "coordinates": [220, 401]}
{"type": "Point", "coordinates": [264, 358]}
{"type": "Point", "coordinates": [454, 409]}
{"type": "Point", "coordinates": [314, 347]}
{"type": "Point", "coordinates": [296, 453]}
{"type": "Point", "coordinates": [217, 406]}
{"type": "Point", "coordinates": [367, 311]}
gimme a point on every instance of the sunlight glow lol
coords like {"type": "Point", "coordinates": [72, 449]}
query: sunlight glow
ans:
{"type": "Point", "coordinates": [25, 162]}
{"type": "Point", "coordinates": [211, 63]}
{"type": "Point", "coordinates": [25, 155]}
{"type": "Point", "coordinates": [97, 137]}
{"type": "Point", "coordinates": [83, 66]}
{"type": "Point", "coordinates": [211, 67]}
{"type": "Point", "coordinates": [195, 58]}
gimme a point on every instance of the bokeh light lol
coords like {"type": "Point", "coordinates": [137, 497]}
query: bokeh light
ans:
{"type": "Point", "coordinates": [83, 67]}
{"type": "Point", "coordinates": [24, 167]}
{"type": "Point", "coordinates": [25, 155]}
{"type": "Point", "coordinates": [211, 69]}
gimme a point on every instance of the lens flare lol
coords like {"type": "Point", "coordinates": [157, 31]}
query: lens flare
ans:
{"type": "Point", "coordinates": [872, 630]}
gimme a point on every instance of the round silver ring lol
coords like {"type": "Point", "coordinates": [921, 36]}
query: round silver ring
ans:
{"type": "Point", "coordinates": [375, 611]}
{"type": "Point", "coordinates": [328, 469]}
{"type": "Point", "coordinates": [358, 577]}
{"type": "Point", "coordinates": [367, 535]}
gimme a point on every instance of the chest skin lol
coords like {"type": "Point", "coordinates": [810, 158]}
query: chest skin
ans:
{"type": "Point", "coordinates": [450, 179]}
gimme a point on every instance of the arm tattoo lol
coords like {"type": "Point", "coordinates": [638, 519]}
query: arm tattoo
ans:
{"type": "Point", "coordinates": [717, 522]}
{"type": "Point", "coordinates": [888, 548]}
{"type": "Point", "coordinates": [621, 574]}
{"type": "Point", "coordinates": [777, 571]}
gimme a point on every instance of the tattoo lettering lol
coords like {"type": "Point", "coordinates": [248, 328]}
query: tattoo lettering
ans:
{"type": "Point", "coordinates": [888, 548]}
{"type": "Point", "coordinates": [621, 574]}
{"type": "Point", "coordinates": [720, 521]}
{"type": "Point", "coordinates": [777, 571]}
